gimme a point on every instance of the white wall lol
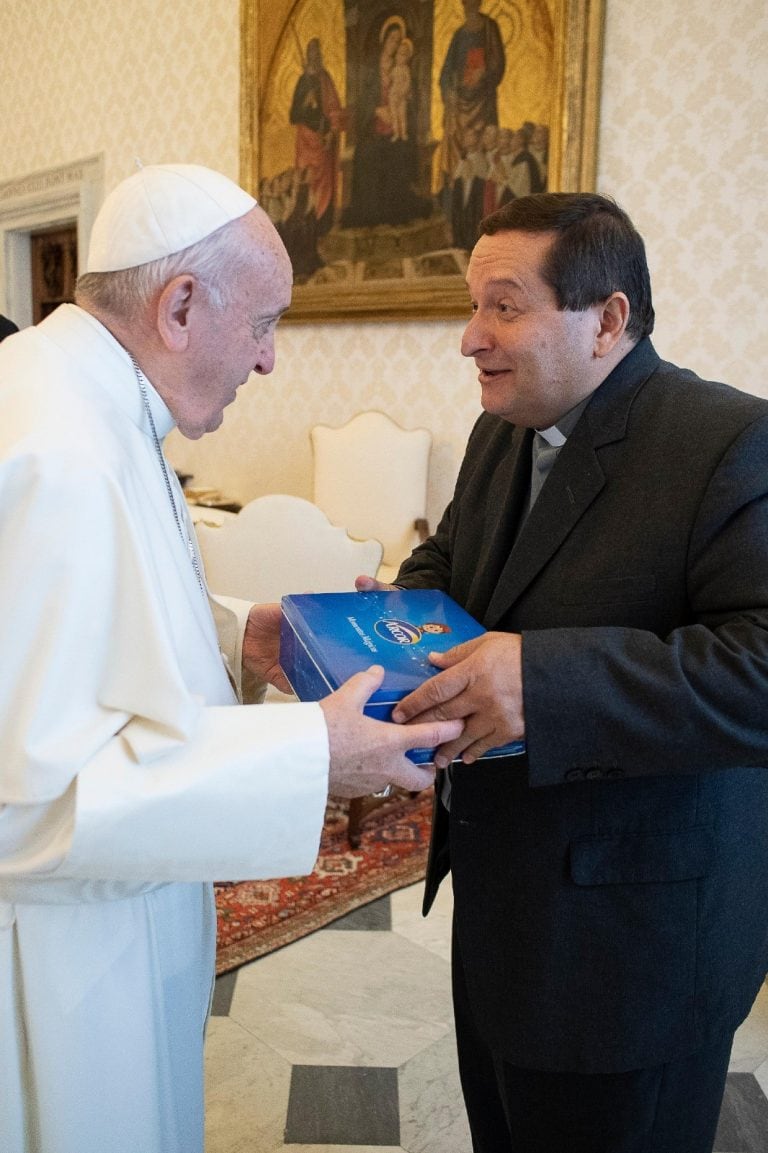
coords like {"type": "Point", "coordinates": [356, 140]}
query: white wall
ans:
{"type": "Point", "coordinates": [682, 146]}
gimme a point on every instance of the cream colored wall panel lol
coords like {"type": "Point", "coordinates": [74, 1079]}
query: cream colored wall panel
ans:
{"type": "Point", "coordinates": [684, 147]}
{"type": "Point", "coordinates": [136, 77]}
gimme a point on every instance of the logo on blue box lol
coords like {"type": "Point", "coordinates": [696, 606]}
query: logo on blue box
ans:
{"type": "Point", "coordinates": [399, 632]}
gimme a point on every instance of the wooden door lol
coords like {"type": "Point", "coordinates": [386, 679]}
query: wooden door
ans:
{"type": "Point", "coordinates": [54, 269]}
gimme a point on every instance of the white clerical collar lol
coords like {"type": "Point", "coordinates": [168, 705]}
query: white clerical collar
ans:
{"type": "Point", "coordinates": [553, 436]}
{"type": "Point", "coordinates": [557, 434]}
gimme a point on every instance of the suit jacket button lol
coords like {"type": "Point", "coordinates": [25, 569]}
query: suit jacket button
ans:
{"type": "Point", "coordinates": [614, 773]}
{"type": "Point", "coordinates": [594, 773]}
{"type": "Point", "coordinates": [574, 775]}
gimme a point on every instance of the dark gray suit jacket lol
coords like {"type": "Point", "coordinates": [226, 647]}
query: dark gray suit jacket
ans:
{"type": "Point", "coordinates": [611, 887]}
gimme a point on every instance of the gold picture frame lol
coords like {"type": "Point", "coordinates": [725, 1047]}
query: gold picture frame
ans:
{"type": "Point", "coordinates": [362, 251]}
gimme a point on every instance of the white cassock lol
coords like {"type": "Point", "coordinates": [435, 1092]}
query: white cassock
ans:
{"type": "Point", "coordinates": [126, 776]}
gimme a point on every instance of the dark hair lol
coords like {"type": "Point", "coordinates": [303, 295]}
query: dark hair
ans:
{"type": "Point", "coordinates": [596, 251]}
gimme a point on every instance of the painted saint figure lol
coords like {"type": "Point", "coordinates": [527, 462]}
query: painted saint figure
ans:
{"type": "Point", "coordinates": [471, 73]}
{"type": "Point", "coordinates": [316, 111]}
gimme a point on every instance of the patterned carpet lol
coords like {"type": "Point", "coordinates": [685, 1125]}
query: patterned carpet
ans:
{"type": "Point", "coordinates": [257, 917]}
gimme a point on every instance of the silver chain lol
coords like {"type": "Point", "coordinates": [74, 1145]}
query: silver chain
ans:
{"type": "Point", "coordinates": [181, 524]}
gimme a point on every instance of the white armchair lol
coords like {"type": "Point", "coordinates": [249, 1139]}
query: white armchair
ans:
{"type": "Point", "coordinates": [370, 476]}
{"type": "Point", "coordinates": [280, 544]}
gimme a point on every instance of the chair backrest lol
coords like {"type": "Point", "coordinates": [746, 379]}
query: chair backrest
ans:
{"type": "Point", "coordinates": [279, 544]}
{"type": "Point", "coordinates": [370, 476]}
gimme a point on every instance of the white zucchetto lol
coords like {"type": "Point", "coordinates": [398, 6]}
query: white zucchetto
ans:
{"type": "Point", "coordinates": [160, 210]}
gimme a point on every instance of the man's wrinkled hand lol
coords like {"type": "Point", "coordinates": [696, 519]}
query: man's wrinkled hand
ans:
{"type": "Point", "coordinates": [481, 684]}
{"type": "Point", "coordinates": [365, 754]}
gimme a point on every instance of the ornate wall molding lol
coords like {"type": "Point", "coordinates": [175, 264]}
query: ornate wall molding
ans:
{"type": "Point", "coordinates": [67, 194]}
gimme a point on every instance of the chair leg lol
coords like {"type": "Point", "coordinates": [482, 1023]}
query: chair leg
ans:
{"type": "Point", "coordinates": [359, 809]}
{"type": "Point", "coordinates": [354, 821]}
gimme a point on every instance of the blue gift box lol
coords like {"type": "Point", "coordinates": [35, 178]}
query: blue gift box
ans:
{"type": "Point", "coordinates": [327, 637]}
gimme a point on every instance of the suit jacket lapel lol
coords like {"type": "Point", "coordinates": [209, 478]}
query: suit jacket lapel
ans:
{"type": "Point", "coordinates": [506, 495]}
{"type": "Point", "coordinates": [574, 482]}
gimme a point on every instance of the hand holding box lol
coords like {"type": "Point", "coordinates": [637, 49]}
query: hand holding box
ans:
{"type": "Point", "coordinates": [327, 637]}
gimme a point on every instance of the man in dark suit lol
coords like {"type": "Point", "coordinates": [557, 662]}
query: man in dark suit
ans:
{"type": "Point", "coordinates": [611, 886]}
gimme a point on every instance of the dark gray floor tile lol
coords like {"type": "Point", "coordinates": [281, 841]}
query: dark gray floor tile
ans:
{"type": "Point", "coordinates": [376, 916]}
{"type": "Point", "coordinates": [223, 990]}
{"type": "Point", "coordinates": [343, 1105]}
{"type": "Point", "coordinates": [743, 1126]}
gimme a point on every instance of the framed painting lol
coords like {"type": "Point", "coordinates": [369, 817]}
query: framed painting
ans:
{"type": "Point", "coordinates": [377, 133]}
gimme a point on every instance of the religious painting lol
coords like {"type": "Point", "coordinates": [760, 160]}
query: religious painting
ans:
{"type": "Point", "coordinates": [377, 133]}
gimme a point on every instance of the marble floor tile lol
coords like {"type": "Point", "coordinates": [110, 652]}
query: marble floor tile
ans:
{"type": "Point", "coordinates": [743, 1126]}
{"type": "Point", "coordinates": [375, 917]}
{"type": "Point", "coordinates": [223, 992]}
{"type": "Point", "coordinates": [432, 1116]}
{"type": "Point", "coordinates": [339, 1105]}
{"type": "Point", "coordinates": [247, 1090]}
{"type": "Point", "coordinates": [750, 1045]}
{"type": "Point", "coordinates": [432, 932]}
{"type": "Point", "coordinates": [346, 998]}
{"type": "Point", "coordinates": [337, 1149]}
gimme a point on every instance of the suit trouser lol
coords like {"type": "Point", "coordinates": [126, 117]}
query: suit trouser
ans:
{"type": "Point", "coordinates": [671, 1108]}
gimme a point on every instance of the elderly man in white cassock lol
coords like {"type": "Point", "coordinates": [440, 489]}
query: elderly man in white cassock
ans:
{"type": "Point", "coordinates": [128, 782]}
